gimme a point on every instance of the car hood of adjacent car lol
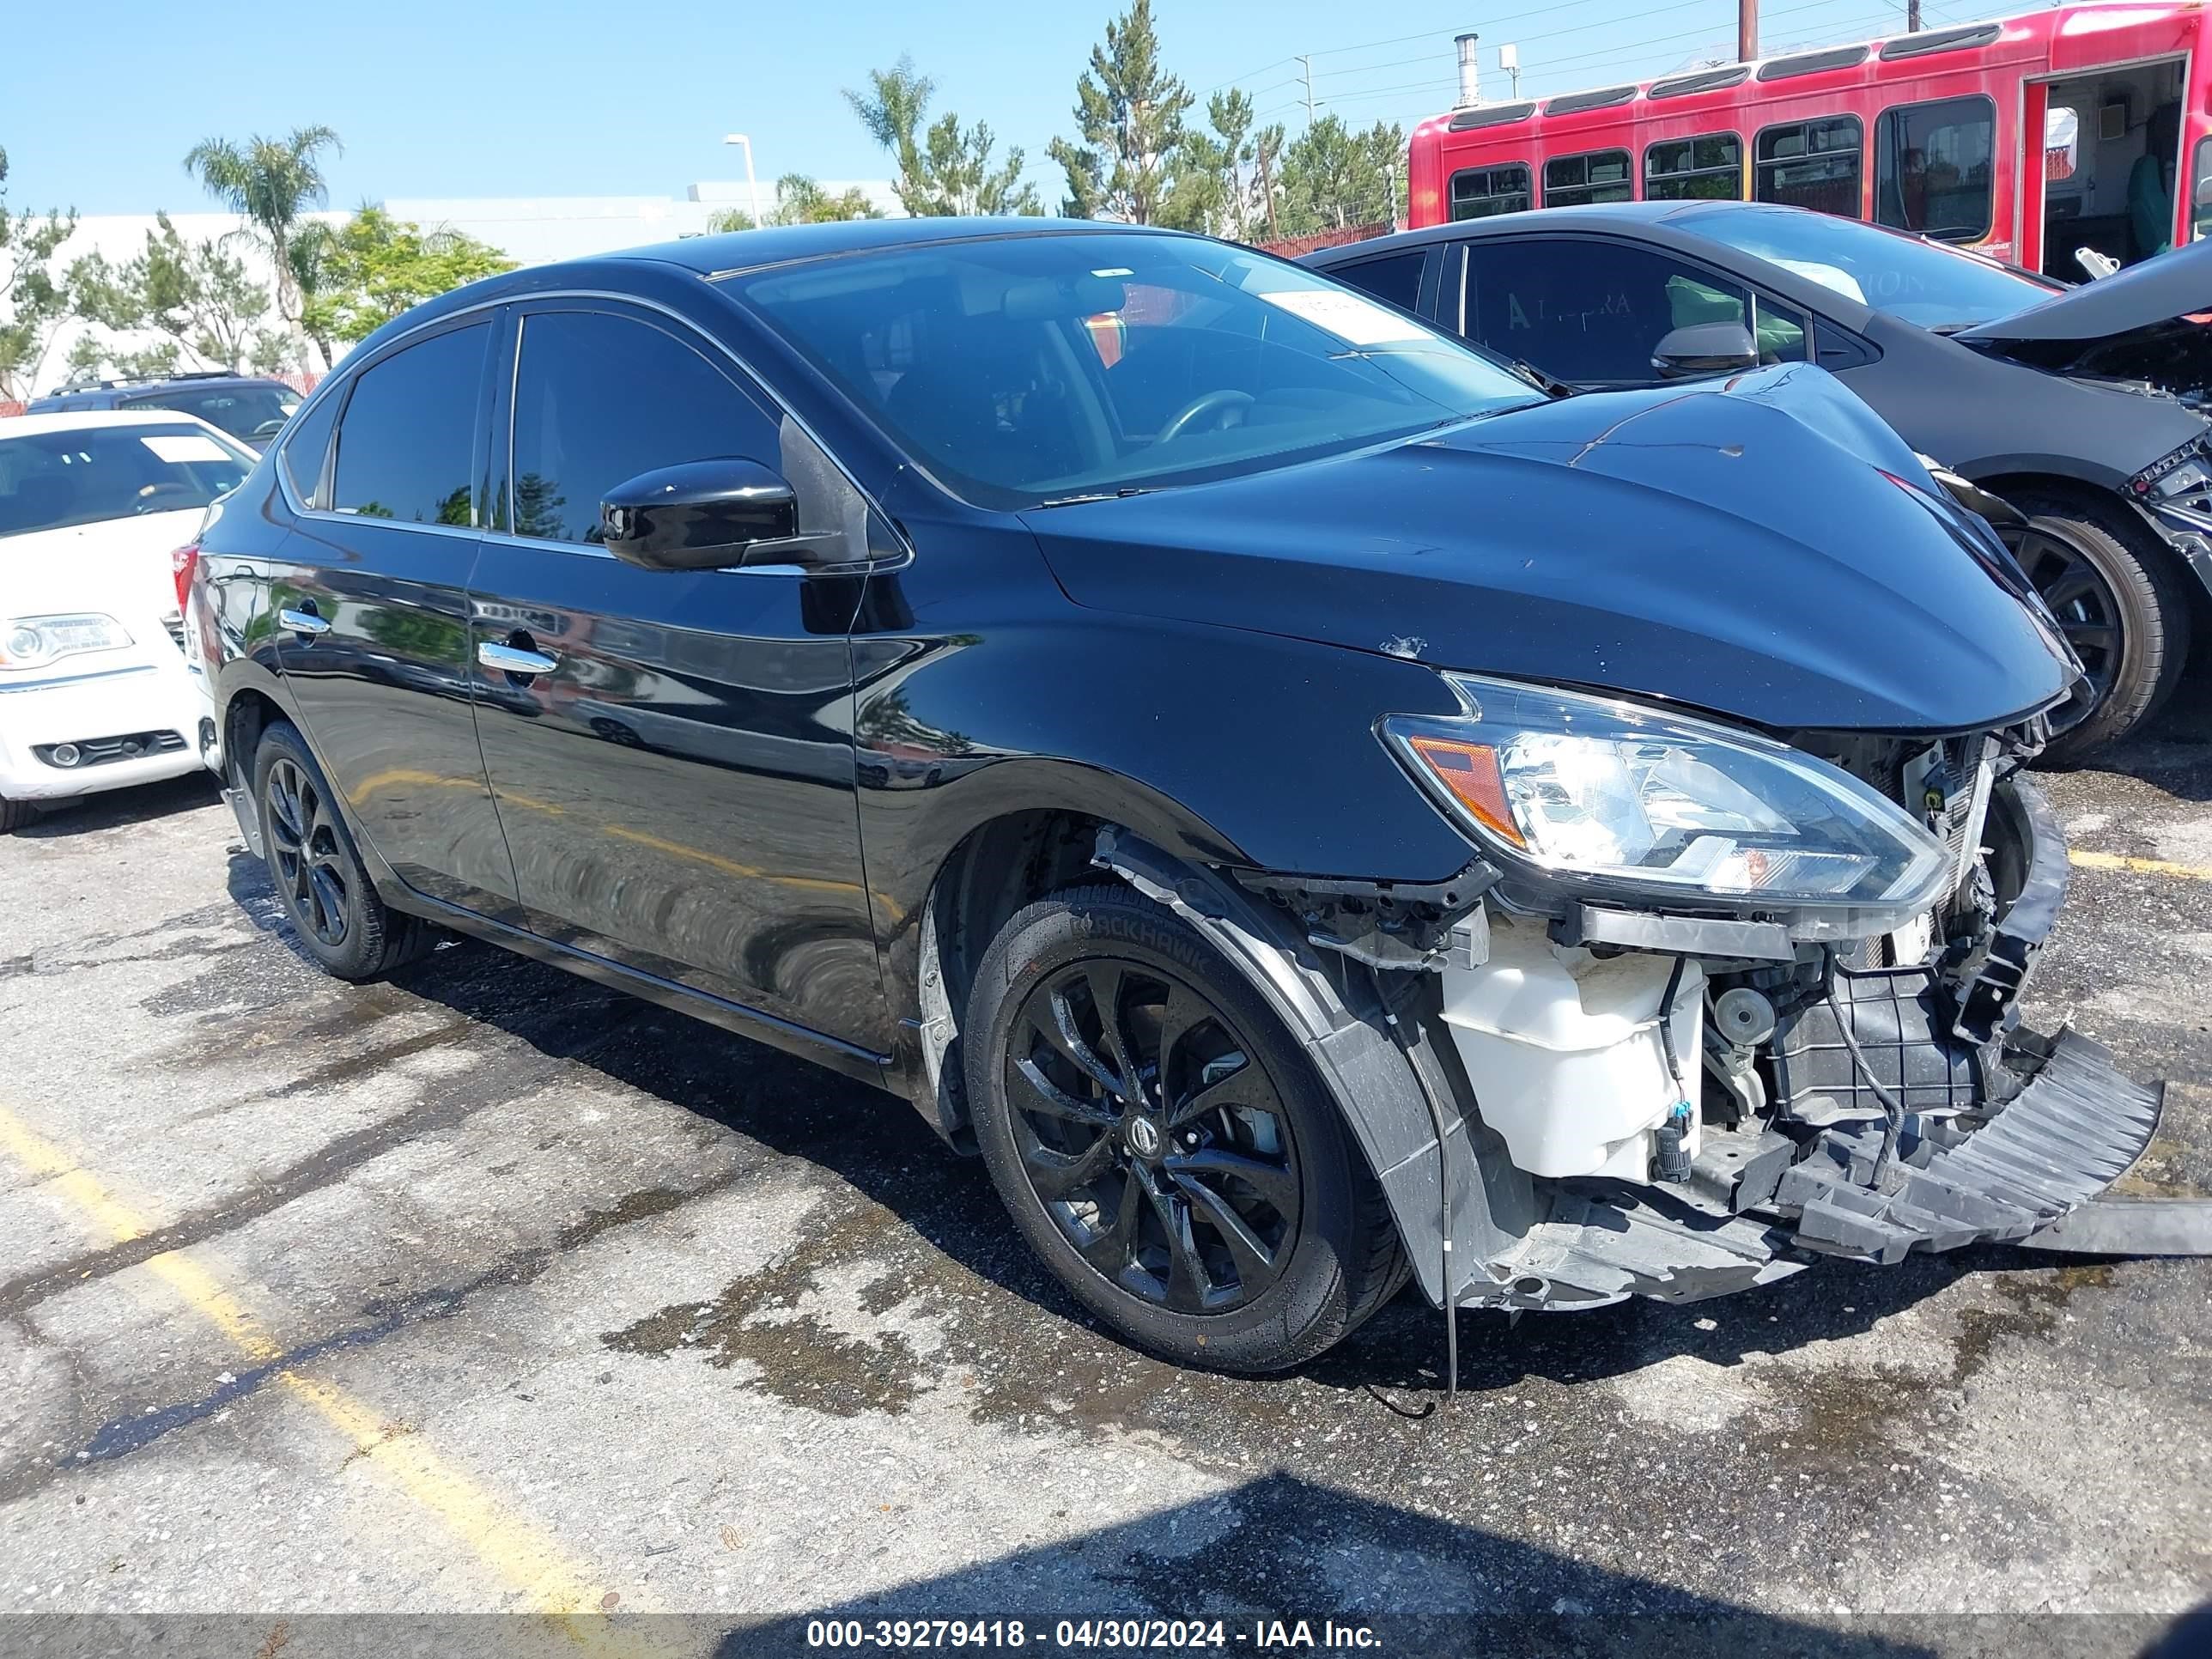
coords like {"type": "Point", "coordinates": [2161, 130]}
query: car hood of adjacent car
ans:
{"type": "Point", "coordinates": [1762, 547]}
{"type": "Point", "coordinates": [116, 567]}
{"type": "Point", "coordinates": [2149, 325]}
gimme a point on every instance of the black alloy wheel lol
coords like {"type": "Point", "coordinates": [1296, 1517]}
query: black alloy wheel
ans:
{"type": "Point", "coordinates": [1163, 1142]}
{"type": "Point", "coordinates": [2088, 610]}
{"type": "Point", "coordinates": [1154, 1139]}
{"type": "Point", "coordinates": [319, 878]}
{"type": "Point", "coordinates": [305, 855]}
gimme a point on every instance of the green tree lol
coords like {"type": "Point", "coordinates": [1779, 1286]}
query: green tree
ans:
{"type": "Point", "coordinates": [270, 182]}
{"type": "Point", "coordinates": [800, 201]}
{"type": "Point", "coordinates": [1333, 178]}
{"type": "Point", "coordinates": [1129, 113]}
{"type": "Point", "coordinates": [374, 266]}
{"type": "Point", "coordinates": [204, 299]}
{"type": "Point", "coordinates": [32, 304]}
{"type": "Point", "coordinates": [947, 169]}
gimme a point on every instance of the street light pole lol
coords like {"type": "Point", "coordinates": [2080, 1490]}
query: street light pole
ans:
{"type": "Point", "coordinates": [752, 185]}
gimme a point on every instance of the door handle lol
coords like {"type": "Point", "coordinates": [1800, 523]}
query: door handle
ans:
{"type": "Point", "coordinates": [512, 659]}
{"type": "Point", "coordinates": [306, 624]}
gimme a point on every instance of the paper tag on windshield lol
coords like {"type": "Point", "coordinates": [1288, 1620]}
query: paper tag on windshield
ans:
{"type": "Point", "coordinates": [1347, 316]}
{"type": "Point", "coordinates": [177, 447]}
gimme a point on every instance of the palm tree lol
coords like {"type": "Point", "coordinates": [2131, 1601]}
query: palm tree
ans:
{"type": "Point", "coordinates": [270, 182]}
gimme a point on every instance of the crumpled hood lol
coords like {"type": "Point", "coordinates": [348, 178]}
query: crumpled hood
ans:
{"type": "Point", "coordinates": [1733, 546]}
{"type": "Point", "coordinates": [2174, 284]}
{"type": "Point", "coordinates": [118, 568]}
{"type": "Point", "coordinates": [2150, 324]}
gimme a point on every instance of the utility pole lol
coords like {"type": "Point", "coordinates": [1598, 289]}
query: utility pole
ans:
{"type": "Point", "coordinates": [1306, 64]}
{"type": "Point", "coordinates": [1746, 30]}
{"type": "Point", "coordinates": [1912, 16]}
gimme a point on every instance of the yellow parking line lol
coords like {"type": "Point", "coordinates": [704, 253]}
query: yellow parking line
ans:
{"type": "Point", "coordinates": [515, 1549]}
{"type": "Point", "coordinates": [2088, 861]}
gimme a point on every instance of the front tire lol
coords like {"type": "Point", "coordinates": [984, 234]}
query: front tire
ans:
{"type": "Point", "coordinates": [2120, 604]}
{"type": "Point", "coordinates": [15, 814]}
{"type": "Point", "coordinates": [1163, 1142]}
{"type": "Point", "coordinates": [318, 873]}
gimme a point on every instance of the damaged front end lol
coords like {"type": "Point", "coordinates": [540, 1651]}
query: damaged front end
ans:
{"type": "Point", "coordinates": [1713, 1006]}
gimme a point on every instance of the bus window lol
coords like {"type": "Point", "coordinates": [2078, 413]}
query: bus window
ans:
{"type": "Point", "coordinates": [1480, 192]}
{"type": "Point", "coordinates": [1931, 167]}
{"type": "Point", "coordinates": [2200, 223]}
{"type": "Point", "coordinates": [1709, 167]}
{"type": "Point", "coordinates": [1811, 164]}
{"type": "Point", "coordinates": [1577, 180]}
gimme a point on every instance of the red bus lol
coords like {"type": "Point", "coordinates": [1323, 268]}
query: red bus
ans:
{"type": "Point", "coordinates": [2021, 136]}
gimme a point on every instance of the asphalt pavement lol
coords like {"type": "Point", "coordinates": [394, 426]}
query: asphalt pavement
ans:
{"type": "Point", "coordinates": [487, 1290]}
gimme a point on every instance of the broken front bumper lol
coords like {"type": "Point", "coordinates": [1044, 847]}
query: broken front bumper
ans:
{"type": "Point", "coordinates": [2005, 1135]}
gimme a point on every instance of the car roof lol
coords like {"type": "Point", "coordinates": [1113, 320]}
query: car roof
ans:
{"type": "Point", "coordinates": [72, 420]}
{"type": "Point", "coordinates": [1601, 215]}
{"type": "Point", "coordinates": [749, 249]}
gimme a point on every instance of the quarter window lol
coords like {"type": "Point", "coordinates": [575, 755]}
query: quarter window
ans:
{"type": "Point", "coordinates": [600, 399]}
{"type": "Point", "coordinates": [1577, 180]}
{"type": "Point", "coordinates": [307, 446]}
{"type": "Point", "coordinates": [1811, 164]}
{"type": "Point", "coordinates": [1396, 279]}
{"type": "Point", "coordinates": [407, 442]}
{"type": "Point", "coordinates": [1484, 192]}
{"type": "Point", "coordinates": [1931, 167]}
{"type": "Point", "coordinates": [1708, 168]}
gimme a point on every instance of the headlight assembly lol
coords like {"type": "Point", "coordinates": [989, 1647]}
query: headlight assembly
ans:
{"type": "Point", "coordinates": [34, 641]}
{"type": "Point", "coordinates": [1625, 804]}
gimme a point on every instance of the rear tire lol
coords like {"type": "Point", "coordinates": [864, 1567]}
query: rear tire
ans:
{"type": "Point", "coordinates": [15, 814]}
{"type": "Point", "coordinates": [1226, 1143]}
{"type": "Point", "coordinates": [318, 873]}
{"type": "Point", "coordinates": [2119, 600]}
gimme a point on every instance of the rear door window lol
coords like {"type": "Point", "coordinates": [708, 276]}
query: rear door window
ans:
{"type": "Point", "coordinates": [407, 442]}
{"type": "Point", "coordinates": [1602, 175]}
{"type": "Point", "coordinates": [1482, 192]}
{"type": "Point", "coordinates": [1593, 314]}
{"type": "Point", "coordinates": [1811, 164]}
{"type": "Point", "coordinates": [1931, 167]}
{"type": "Point", "coordinates": [599, 398]}
{"type": "Point", "coordinates": [305, 448]}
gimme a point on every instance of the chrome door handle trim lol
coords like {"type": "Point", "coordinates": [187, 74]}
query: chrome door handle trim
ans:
{"type": "Point", "coordinates": [508, 660]}
{"type": "Point", "coordinates": [303, 622]}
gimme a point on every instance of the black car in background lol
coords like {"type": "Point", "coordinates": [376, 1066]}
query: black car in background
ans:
{"type": "Point", "coordinates": [2085, 409]}
{"type": "Point", "coordinates": [251, 407]}
{"type": "Point", "coordinates": [1287, 792]}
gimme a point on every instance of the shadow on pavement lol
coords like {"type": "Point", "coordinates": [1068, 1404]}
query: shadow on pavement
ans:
{"type": "Point", "coordinates": [119, 809]}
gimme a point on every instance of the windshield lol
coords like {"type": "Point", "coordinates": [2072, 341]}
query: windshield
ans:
{"type": "Point", "coordinates": [244, 411]}
{"type": "Point", "coordinates": [1925, 282]}
{"type": "Point", "coordinates": [50, 480]}
{"type": "Point", "coordinates": [1036, 368]}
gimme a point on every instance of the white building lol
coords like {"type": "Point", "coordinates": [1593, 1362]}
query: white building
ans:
{"type": "Point", "coordinates": [531, 230]}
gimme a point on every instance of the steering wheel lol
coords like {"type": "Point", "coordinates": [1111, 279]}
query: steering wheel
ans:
{"type": "Point", "coordinates": [1205, 403]}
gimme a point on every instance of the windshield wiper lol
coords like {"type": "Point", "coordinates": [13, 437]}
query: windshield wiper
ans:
{"type": "Point", "coordinates": [1122, 494]}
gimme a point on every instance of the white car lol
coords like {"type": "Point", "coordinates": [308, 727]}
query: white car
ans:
{"type": "Point", "coordinates": [96, 692]}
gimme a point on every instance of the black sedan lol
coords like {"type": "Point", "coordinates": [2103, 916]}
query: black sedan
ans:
{"type": "Point", "coordinates": [1287, 790]}
{"type": "Point", "coordinates": [2085, 408]}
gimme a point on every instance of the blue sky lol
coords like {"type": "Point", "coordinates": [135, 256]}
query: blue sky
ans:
{"type": "Point", "coordinates": [547, 97]}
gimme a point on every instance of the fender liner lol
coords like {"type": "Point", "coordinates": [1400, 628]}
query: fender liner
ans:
{"type": "Point", "coordinates": [1335, 1010]}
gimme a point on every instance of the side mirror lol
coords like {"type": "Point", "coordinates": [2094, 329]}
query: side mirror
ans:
{"type": "Point", "coordinates": [710, 515]}
{"type": "Point", "coordinates": [1705, 348]}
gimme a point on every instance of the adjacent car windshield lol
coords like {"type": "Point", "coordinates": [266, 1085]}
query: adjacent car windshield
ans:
{"type": "Point", "coordinates": [1036, 369]}
{"type": "Point", "coordinates": [1920, 282]}
{"type": "Point", "coordinates": [255, 412]}
{"type": "Point", "coordinates": [50, 480]}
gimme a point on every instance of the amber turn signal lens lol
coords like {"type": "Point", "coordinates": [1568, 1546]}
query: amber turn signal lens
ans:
{"type": "Point", "coordinates": [1470, 771]}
